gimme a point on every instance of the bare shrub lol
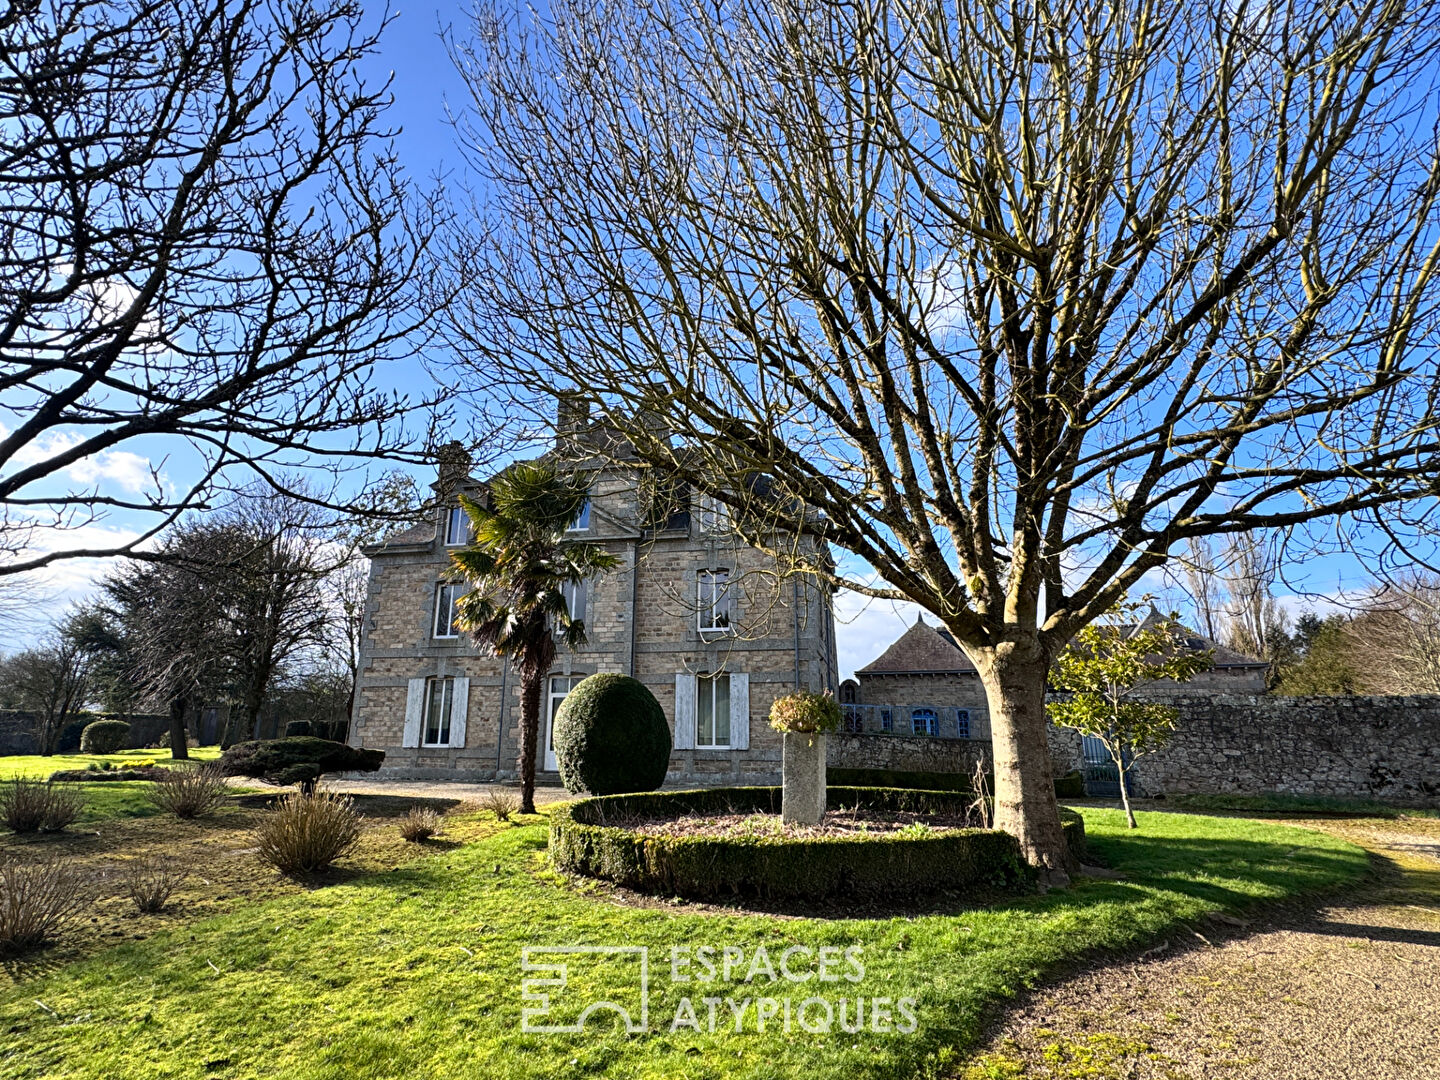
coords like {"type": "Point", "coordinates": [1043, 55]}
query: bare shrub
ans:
{"type": "Point", "coordinates": [189, 792]}
{"type": "Point", "coordinates": [421, 823]}
{"type": "Point", "coordinates": [28, 806]}
{"type": "Point", "coordinates": [981, 808]}
{"type": "Point", "coordinates": [37, 900]}
{"type": "Point", "coordinates": [309, 832]}
{"type": "Point", "coordinates": [150, 881]}
{"type": "Point", "coordinates": [500, 803]}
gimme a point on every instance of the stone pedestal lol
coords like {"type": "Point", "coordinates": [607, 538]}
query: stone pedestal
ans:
{"type": "Point", "coordinates": [803, 802]}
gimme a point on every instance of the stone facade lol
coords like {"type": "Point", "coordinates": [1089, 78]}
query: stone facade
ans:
{"type": "Point", "coordinates": [642, 618]}
{"type": "Point", "coordinates": [1231, 737]}
{"type": "Point", "coordinates": [1381, 748]}
{"type": "Point", "coordinates": [924, 670]}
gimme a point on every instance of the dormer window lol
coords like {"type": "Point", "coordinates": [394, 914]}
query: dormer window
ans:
{"type": "Point", "coordinates": [711, 515]}
{"type": "Point", "coordinates": [457, 527]}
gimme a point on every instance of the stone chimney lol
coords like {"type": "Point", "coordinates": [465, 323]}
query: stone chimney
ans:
{"type": "Point", "coordinates": [454, 467]}
{"type": "Point", "coordinates": [572, 417]}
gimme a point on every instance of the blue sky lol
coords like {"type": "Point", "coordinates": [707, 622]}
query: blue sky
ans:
{"type": "Point", "coordinates": [424, 83]}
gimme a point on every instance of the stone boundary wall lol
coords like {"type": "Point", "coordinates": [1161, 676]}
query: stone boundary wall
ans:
{"type": "Point", "coordinates": [18, 728]}
{"type": "Point", "coordinates": [1381, 748]}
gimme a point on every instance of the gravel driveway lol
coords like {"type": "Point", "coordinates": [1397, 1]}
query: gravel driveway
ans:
{"type": "Point", "coordinates": [1350, 991]}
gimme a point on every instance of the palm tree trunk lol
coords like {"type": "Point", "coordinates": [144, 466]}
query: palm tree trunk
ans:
{"type": "Point", "coordinates": [532, 681]}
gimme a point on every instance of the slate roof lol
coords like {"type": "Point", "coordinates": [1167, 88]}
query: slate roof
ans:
{"type": "Point", "coordinates": [421, 533]}
{"type": "Point", "coordinates": [922, 650]}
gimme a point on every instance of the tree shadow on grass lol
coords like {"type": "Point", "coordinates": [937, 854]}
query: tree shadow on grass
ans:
{"type": "Point", "coordinates": [372, 806]}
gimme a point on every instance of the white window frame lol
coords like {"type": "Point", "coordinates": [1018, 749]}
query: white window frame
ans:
{"type": "Point", "coordinates": [570, 590]}
{"type": "Point", "coordinates": [707, 685]}
{"type": "Point", "coordinates": [456, 515]}
{"type": "Point", "coordinates": [554, 698]}
{"type": "Point", "coordinates": [445, 686]}
{"type": "Point", "coordinates": [720, 604]}
{"type": "Point", "coordinates": [711, 515]}
{"type": "Point", "coordinates": [453, 591]}
{"type": "Point", "coordinates": [582, 519]}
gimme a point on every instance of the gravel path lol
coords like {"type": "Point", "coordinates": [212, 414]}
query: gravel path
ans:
{"type": "Point", "coordinates": [1351, 991]}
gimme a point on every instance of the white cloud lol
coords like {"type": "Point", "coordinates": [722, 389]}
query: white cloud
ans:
{"type": "Point", "coordinates": [51, 589]}
{"type": "Point", "coordinates": [115, 469]}
{"type": "Point", "coordinates": [864, 628]}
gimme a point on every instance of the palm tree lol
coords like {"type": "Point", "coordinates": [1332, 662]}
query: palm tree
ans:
{"type": "Point", "coordinates": [517, 565]}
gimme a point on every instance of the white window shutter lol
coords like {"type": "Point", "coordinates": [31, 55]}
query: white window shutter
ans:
{"type": "Point", "coordinates": [684, 711]}
{"type": "Point", "coordinates": [459, 708]}
{"type": "Point", "coordinates": [414, 709]}
{"type": "Point", "coordinates": [739, 710]}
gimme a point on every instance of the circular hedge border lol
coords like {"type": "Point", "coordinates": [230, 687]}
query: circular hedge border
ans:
{"type": "Point", "coordinates": [583, 842]}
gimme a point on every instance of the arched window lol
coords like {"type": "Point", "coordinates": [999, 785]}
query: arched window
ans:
{"type": "Point", "coordinates": [924, 722]}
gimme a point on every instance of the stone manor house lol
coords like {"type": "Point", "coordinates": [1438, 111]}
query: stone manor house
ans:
{"type": "Point", "coordinates": [690, 611]}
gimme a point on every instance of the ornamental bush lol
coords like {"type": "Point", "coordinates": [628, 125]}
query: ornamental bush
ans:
{"type": "Point", "coordinates": [308, 832]}
{"type": "Point", "coordinates": [611, 737]}
{"type": "Point", "coordinates": [28, 806]}
{"type": "Point", "coordinates": [104, 737]}
{"type": "Point", "coordinates": [586, 839]}
{"type": "Point", "coordinates": [805, 712]}
{"type": "Point", "coordinates": [301, 760]}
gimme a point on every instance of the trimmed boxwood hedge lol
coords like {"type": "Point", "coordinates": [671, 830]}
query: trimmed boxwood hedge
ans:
{"type": "Point", "coordinates": [104, 737]}
{"type": "Point", "coordinates": [777, 867]}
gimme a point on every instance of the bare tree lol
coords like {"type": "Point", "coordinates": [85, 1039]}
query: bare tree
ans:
{"type": "Point", "coordinates": [1254, 620]}
{"type": "Point", "coordinates": [206, 235]}
{"type": "Point", "coordinates": [1202, 582]}
{"type": "Point", "coordinates": [273, 557]}
{"type": "Point", "coordinates": [1395, 637]}
{"type": "Point", "coordinates": [1005, 302]}
{"type": "Point", "coordinates": [174, 645]}
{"type": "Point", "coordinates": [50, 680]}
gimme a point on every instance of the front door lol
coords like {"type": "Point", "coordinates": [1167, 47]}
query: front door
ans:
{"type": "Point", "coordinates": [559, 686]}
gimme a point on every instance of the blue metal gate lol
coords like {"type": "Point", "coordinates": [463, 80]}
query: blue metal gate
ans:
{"type": "Point", "coordinates": [1102, 778]}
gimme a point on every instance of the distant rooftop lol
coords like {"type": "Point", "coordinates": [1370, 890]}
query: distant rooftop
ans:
{"type": "Point", "coordinates": [930, 650]}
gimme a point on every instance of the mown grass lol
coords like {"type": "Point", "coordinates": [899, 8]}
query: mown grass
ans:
{"type": "Point", "coordinates": [1297, 805]}
{"type": "Point", "coordinates": [417, 971]}
{"type": "Point", "coordinates": [39, 767]}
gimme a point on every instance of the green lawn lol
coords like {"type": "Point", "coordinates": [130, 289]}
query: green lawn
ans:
{"type": "Point", "coordinates": [34, 765]}
{"type": "Point", "coordinates": [416, 972]}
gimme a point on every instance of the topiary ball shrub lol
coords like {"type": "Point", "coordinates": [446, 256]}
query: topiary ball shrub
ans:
{"type": "Point", "coordinates": [611, 737]}
{"type": "Point", "coordinates": [104, 737]}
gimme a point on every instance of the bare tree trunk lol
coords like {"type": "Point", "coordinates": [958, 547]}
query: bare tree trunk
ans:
{"type": "Point", "coordinates": [531, 684]}
{"type": "Point", "coordinates": [1013, 675]}
{"type": "Point", "coordinates": [1119, 760]}
{"type": "Point", "coordinates": [179, 736]}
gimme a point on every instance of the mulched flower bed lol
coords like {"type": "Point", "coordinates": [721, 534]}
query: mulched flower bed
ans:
{"type": "Point", "coordinates": [836, 824]}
